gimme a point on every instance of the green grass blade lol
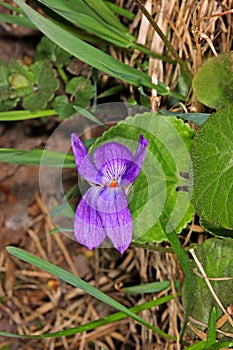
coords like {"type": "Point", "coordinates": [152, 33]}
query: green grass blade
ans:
{"type": "Point", "coordinates": [33, 157]}
{"type": "Point", "coordinates": [105, 12]}
{"type": "Point", "coordinates": [120, 10]}
{"type": "Point", "coordinates": [95, 324]}
{"type": "Point", "coordinates": [197, 346]}
{"type": "Point", "coordinates": [112, 91]}
{"type": "Point", "coordinates": [89, 116]}
{"type": "Point", "coordinates": [85, 52]}
{"type": "Point", "coordinates": [88, 22]}
{"type": "Point", "coordinates": [14, 19]}
{"type": "Point", "coordinates": [184, 262]}
{"type": "Point", "coordinates": [153, 287]}
{"type": "Point", "coordinates": [60, 229]}
{"type": "Point", "coordinates": [97, 26]}
{"type": "Point", "coordinates": [221, 345]}
{"type": "Point", "coordinates": [78, 283]}
{"type": "Point", "coordinates": [78, 6]}
{"type": "Point", "coordinates": [211, 334]}
{"type": "Point", "coordinates": [104, 29]}
{"type": "Point", "coordinates": [196, 118]}
{"type": "Point", "coordinates": [24, 115]}
{"type": "Point", "coordinates": [148, 52]}
{"type": "Point", "coordinates": [92, 21]}
{"type": "Point", "coordinates": [10, 7]}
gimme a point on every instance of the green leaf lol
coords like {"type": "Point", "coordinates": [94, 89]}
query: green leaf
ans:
{"type": "Point", "coordinates": [154, 192]}
{"type": "Point", "coordinates": [153, 287]}
{"type": "Point", "coordinates": [15, 81]}
{"type": "Point", "coordinates": [213, 83]}
{"type": "Point", "coordinates": [212, 170]}
{"type": "Point", "coordinates": [112, 91]}
{"type": "Point", "coordinates": [120, 10]}
{"type": "Point", "coordinates": [10, 7]}
{"type": "Point", "coordinates": [105, 12]}
{"type": "Point", "coordinates": [197, 346]}
{"type": "Point", "coordinates": [215, 256]}
{"type": "Point", "coordinates": [15, 19]}
{"type": "Point", "coordinates": [48, 50]}
{"type": "Point", "coordinates": [19, 20]}
{"type": "Point", "coordinates": [50, 158]}
{"type": "Point", "coordinates": [24, 115]}
{"type": "Point", "coordinates": [90, 116]}
{"type": "Point", "coordinates": [184, 263]}
{"type": "Point", "coordinates": [36, 84]}
{"type": "Point", "coordinates": [97, 323]}
{"type": "Point", "coordinates": [145, 100]}
{"type": "Point", "coordinates": [8, 104]}
{"type": "Point", "coordinates": [46, 85]}
{"type": "Point", "coordinates": [96, 18]}
{"type": "Point", "coordinates": [196, 118]}
{"type": "Point", "coordinates": [63, 107]}
{"type": "Point", "coordinates": [219, 232]}
{"type": "Point", "coordinates": [18, 81]}
{"type": "Point", "coordinates": [201, 346]}
{"type": "Point", "coordinates": [64, 210]}
{"type": "Point", "coordinates": [82, 90]}
{"type": "Point", "coordinates": [211, 334]}
{"type": "Point", "coordinates": [65, 38]}
{"type": "Point", "coordinates": [78, 283]}
{"type": "Point", "coordinates": [83, 16]}
{"type": "Point", "coordinates": [21, 79]}
{"type": "Point", "coordinates": [4, 83]}
{"type": "Point", "coordinates": [221, 345]}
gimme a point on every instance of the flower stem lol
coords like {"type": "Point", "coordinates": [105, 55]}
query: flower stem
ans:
{"type": "Point", "coordinates": [185, 264]}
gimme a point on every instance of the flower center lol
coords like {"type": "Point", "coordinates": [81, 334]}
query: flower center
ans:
{"type": "Point", "coordinates": [113, 183]}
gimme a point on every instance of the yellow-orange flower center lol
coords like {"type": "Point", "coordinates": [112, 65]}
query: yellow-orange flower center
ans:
{"type": "Point", "coordinates": [113, 183]}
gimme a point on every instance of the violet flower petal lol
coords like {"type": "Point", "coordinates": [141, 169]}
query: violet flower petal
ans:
{"type": "Point", "coordinates": [88, 225]}
{"type": "Point", "coordinates": [101, 212]}
{"type": "Point", "coordinates": [134, 167]}
{"type": "Point", "coordinates": [118, 222]}
{"type": "Point", "coordinates": [112, 159]}
{"type": "Point", "coordinates": [84, 163]}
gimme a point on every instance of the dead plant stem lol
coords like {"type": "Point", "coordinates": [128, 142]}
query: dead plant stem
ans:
{"type": "Point", "coordinates": [164, 39]}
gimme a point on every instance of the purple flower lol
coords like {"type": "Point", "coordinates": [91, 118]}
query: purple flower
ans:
{"type": "Point", "coordinates": [103, 210]}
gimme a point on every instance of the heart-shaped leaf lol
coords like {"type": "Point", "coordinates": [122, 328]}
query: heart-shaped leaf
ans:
{"type": "Point", "coordinates": [216, 231]}
{"type": "Point", "coordinates": [215, 256]}
{"type": "Point", "coordinates": [212, 170]}
{"type": "Point", "coordinates": [154, 192]}
{"type": "Point", "coordinates": [213, 83]}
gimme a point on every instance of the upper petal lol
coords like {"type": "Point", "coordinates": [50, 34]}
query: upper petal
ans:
{"type": "Point", "coordinates": [88, 225]}
{"type": "Point", "coordinates": [134, 167]}
{"type": "Point", "coordinates": [84, 163]}
{"type": "Point", "coordinates": [112, 159]}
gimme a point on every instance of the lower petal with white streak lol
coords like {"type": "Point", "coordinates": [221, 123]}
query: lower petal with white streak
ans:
{"type": "Point", "coordinates": [103, 211]}
{"type": "Point", "coordinates": [88, 225]}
